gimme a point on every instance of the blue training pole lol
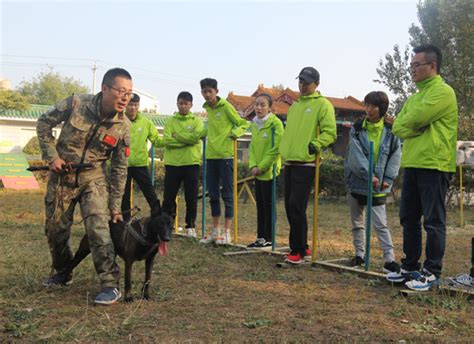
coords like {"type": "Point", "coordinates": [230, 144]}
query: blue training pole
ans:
{"type": "Point", "coordinates": [273, 196]}
{"type": "Point", "coordinates": [153, 165]}
{"type": "Point", "coordinates": [204, 168]}
{"type": "Point", "coordinates": [368, 223]}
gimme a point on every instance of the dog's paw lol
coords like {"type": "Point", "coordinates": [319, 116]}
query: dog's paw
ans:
{"type": "Point", "coordinates": [128, 299]}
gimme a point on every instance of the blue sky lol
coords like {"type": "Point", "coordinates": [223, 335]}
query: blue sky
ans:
{"type": "Point", "coordinates": [169, 46]}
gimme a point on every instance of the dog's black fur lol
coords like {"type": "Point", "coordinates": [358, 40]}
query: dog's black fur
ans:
{"type": "Point", "coordinates": [153, 230]}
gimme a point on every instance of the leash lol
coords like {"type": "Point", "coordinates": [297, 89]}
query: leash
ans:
{"type": "Point", "coordinates": [140, 238]}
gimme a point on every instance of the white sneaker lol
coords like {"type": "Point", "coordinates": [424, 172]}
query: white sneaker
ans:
{"type": "Point", "coordinates": [190, 232]}
{"type": "Point", "coordinates": [210, 238]}
{"type": "Point", "coordinates": [224, 239]}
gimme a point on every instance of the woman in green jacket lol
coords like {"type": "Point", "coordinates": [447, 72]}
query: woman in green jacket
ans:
{"type": "Point", "coordinates": [267, 131]}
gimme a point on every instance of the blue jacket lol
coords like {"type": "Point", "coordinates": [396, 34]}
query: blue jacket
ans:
{"type": "Point", "coordinates": [357, 160]}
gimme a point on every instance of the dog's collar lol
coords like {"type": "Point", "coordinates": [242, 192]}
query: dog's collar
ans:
{"type": "Point", "coordinates": [140, 237]}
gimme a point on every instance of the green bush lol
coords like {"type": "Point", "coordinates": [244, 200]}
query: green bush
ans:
{"type": "Point", "coordinates": [32, 147]}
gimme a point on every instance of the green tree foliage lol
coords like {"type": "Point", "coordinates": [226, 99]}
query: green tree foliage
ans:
{"type": "Point", "coordinates": [10, 99]}
{"type": "Point", "coordinates": [448, 25]}
{"type": "Point", "coordinates": [395, 74]}
{"type": "Point", "coordinates": [49, 88]}
{"type": "Point", "coordinates": [32, 147]}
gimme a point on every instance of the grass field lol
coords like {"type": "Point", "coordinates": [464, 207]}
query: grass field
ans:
{"type": "Point", "coordinates": [201, 296]}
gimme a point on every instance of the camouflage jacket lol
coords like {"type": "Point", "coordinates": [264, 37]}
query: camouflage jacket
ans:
{"type": "Point", "coordinates": [85, 138]}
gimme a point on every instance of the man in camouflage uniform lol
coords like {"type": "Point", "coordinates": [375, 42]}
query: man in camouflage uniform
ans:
{"type": "Point", "coordinates": [94, 130]}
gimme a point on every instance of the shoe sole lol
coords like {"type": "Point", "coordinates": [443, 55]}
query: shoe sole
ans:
{"type": "Point", "coordinates": [292, 262]}
{"type": "Point", "coordinates": [108, 303]}
{"type": "Point", "coordinates": [67, 284]}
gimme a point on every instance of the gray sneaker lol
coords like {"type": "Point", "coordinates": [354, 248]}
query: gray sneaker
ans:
{"type": "Point", "coordinates": [58, 280]}
{"type": "Point", "coordinates": [108, 296]}
{"type": "Point", "coordinates": [461, 280]}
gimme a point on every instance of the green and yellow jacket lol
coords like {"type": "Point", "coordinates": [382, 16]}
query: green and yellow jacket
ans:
{"type": "Point", "coordinates": [303, 118]}
{"type": "Point", "coordinates": [224, 126]}
{"type": "Point", "coordinates": [141, 130]}
{"type": "Point", "coordinates": [262, 153]}
{"type": "Point", "coordinates": [428, 124]}
{"type": "Point", "coordinates": [182, 140]}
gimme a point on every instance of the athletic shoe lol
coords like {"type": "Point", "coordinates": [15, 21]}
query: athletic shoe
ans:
{"type": "Point", "coordinates": [190, 232]}
{"type": "Point", "coordinates": [58, 279]}
{"type": "Point", "coordinates": [423, 283]}
{"type": "Point", "coordinates": [402, 276]}
{"type": "Point", "coordinates": [210, 238]}
{"type": "Point", "coordinates": [294, 258]}
{"type": "Point", "coordinates": [461, 280]}
{"type": "Point", "coordinates": [392, 266]}
{"type": "Point", "coordinates": [308, 253]}
{"type": "Point", "coordinates": [108, 296]}
{"type": "Point", "coordinates": [260, 243]}
{"type": "Point", "coordinates": [224, 239]}
{"type": "Point", "coordinates": [356, 261]}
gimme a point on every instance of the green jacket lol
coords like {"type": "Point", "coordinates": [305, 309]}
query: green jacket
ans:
{"type": "Point", "coordinates": [141, 130]}
{"type": "Point", "coordinates": [303, 117]}
{"type": "Point", "coordinates": [224, 126]}
{"type": "Point", "coordinates": [261, 152]}
{"type": "Point", "coordinates": [428, 124]}
{"type": "Point", "coordinates": [182, 140]}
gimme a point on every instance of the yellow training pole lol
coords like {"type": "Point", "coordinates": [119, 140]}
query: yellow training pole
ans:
{"type": "Point", "coordinates": [235, 194]}
{"type": "Point", "coordinates": [176, 219]}
{"type": "Point", "coordinates": [131, 195]}
{"type": "Point", "coordinates": [462, 196]}
{"type": "Point", "coordinates": [315, 207]}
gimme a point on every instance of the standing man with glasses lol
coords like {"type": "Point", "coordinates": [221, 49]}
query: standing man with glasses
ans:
{"type": "Point", "coordinates": [95, 129]}
{"type": "Point", "coordinates": [142, 130]}
{"type": "Point", "coordinates": [428, 124]}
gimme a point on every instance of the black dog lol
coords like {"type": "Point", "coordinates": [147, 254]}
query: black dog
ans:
{"type": "Point", "coordinates": [137, 240]}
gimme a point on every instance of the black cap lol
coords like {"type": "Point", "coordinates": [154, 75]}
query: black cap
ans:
{"type": "Point", "coordinates": [135, 98]}
{"type": "Point", "coordinates": [309, 74]}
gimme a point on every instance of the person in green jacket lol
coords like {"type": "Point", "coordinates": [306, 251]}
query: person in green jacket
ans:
{"type": "Point", "coordinates": [224, 126]}
{"type": "Point", "coordinates": [428, 125]}
{"type": "Point", "coordinates": [299, 145]}
{"type": "Point", "coordinates": [142, 130]}
{"type": "Point", "coordinates": [182, 140]}
{"type": "Point", "coordinates": [267, 130]}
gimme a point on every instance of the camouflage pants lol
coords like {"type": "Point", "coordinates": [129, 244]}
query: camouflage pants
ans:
{"type": "Point", "coordinates": [93, 198]}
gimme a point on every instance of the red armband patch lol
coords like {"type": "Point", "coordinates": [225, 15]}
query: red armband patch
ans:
{"type": "Point", "coordinates": [127, 151]}
{"type": "Point", "coordinates": [109, 140]}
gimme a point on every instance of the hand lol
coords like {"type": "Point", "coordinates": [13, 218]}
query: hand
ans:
{"type": "Point", "coordinates": [385, 185]}
{"type": "Point", "coordinates": [116, 216]}
{"type": "Point", "coordinates": [389, 119]}
{"type": "Point", "coordinates": [58, 165]}
{"type": "Point", "coordinates": [256, 171]}
{"type": "Point", "coordinates": [375, 182]}
{"type": "Point", "coordinates": [312, 149]}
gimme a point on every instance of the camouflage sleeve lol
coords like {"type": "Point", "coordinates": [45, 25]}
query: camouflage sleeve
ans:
{"type": "Point", "coordinates": [118, 172]}
{"type": "Point", "coordinates": [45, 125]}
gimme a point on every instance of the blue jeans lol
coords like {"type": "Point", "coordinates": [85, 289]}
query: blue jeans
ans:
{"type": "Point", "coordinates": [423, 194]}
{"type": "Point", "coordinates": [220, 174]}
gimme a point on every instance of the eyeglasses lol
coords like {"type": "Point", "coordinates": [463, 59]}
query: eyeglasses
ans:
{"type": "Point", "coordinates": [416, 65]}
{"type": "Point", "coordinates": [121, 93]}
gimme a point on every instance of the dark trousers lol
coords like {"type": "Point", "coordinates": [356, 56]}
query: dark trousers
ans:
{"type": "Point", "coordinates": [424, 194]}
{"type": "Point", "coordinates": [142, 177]}
{"type": "Point", "coordinates": [299, 181]}
{"type": "Point", "coordinates": [263, 193]}
{"type": "Point", "coordinates": [174, 176]}
{"type": "Point", "coordinates": [220, 173]}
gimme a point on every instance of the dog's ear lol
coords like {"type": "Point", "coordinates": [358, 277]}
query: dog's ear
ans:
{"type": "Point", "coordinates": [156, 210]}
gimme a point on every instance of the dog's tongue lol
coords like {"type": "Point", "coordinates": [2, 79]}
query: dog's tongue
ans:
{"type": "Point", "coordinates": [163, 248]}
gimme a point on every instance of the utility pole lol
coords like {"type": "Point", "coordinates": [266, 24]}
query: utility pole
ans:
{"type": "Point", "coordinates": [94, 68]}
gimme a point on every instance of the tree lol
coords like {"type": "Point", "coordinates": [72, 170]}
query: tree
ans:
{"type": "Point", "coordinates": [395, 74]}
{"type": "Point", "coordinates": [49, 88]}
{"type": "Point", "coordinates": [448, 25]}
{"type": "Point", "coordinates": [13, 100]}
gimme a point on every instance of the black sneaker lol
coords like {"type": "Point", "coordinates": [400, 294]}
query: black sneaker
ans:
{"type": "Point", "coordinates": [260, 243]}
{"type": "Point", "coordinates": [392, 266]}
{"type": "Point", "coordinates": [58, 279]}
{"type": "Point", "coordinates": [356, 261]}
